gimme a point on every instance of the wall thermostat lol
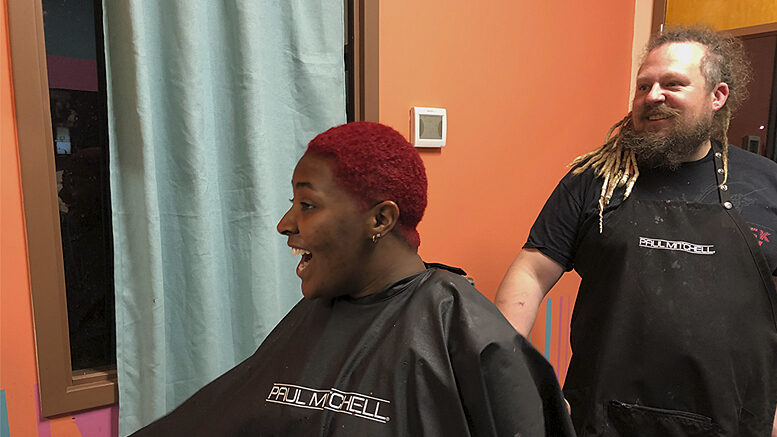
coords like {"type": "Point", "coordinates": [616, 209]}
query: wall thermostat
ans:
{"type": "Point", "coordinates": [428, 126]}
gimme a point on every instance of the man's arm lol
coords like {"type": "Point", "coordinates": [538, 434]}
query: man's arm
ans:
{"type": "Point", "coordinates": [529, 278]}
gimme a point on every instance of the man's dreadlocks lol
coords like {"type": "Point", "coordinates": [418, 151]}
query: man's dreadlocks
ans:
{"type": "Point", "coordinates": [725, 61]}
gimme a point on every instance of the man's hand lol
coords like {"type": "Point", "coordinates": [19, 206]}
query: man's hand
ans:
{"type": "Point", "coordinates": [526, 282]}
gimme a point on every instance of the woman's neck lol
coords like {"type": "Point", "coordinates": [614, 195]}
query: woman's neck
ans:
{"type": "Point", "coordinates": [392, 261]}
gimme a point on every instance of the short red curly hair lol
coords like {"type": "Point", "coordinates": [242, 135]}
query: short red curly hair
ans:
{"type": "Point", "coordinates": [375, 163]}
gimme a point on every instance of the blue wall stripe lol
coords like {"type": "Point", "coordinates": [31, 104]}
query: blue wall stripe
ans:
{"type": "Point", "coordinates": [4, 429]}
{"type": "Point", "coordinates": [548, 320]}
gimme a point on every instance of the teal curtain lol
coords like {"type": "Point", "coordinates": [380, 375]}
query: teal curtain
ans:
{"type": "Point", "coordinates": [211, 103]}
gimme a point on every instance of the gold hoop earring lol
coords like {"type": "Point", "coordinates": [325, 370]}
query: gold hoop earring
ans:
{"type": "Point", "coordinates": [375, 238]}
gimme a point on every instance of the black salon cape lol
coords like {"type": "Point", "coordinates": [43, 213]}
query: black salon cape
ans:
{"type": "Point", "coordinates": [428, 355]}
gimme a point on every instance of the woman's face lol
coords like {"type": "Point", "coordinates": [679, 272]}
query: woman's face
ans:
{"type": "Point", "coordinates": [328, 229]}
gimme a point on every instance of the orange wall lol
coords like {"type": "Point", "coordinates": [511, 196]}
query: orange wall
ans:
{"type": "Point", "coordinates": [528, 86]}
{"type": "Point", "coordinates": [17, 354]}
{"type": "Point", "coordinates": [721, 14]}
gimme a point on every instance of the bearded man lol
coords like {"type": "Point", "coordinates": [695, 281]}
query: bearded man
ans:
{"type": "Point", "coordinates": [674, 330]}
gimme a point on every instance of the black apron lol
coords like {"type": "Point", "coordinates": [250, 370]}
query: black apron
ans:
{"type": "Point", "coordinates": [674, 330]}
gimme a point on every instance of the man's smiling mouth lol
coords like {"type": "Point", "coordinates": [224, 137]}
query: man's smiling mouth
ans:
{"type": "Point", "coordinates": [660, 112]}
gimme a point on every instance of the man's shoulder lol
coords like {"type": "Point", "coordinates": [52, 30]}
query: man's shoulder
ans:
{"type": "Point", "coordinates": [580, 184]}
{"type": "Point", "coordinates": [579, 176]}
{"type": "Point", "coordinates": [752, 163]}
{"type": "Point", "coordinates": [752, 174]}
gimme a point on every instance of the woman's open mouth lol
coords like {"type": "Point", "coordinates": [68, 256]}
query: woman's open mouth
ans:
{"type": "Point", "coordinates": [306, 256]}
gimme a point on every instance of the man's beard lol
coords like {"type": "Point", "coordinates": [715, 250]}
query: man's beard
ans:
{"type": "Point", "coordinates": [667, 150]}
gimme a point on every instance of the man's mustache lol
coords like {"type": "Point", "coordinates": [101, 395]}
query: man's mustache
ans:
{"type": "Point", "coordinates": [661, 110]}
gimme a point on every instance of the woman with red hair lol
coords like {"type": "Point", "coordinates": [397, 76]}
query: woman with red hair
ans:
{"type": "Point", "coordinates": [382, 344]}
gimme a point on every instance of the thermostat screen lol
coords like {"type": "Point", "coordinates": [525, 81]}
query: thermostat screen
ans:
{"type": "Point", "coordinates": [430, 127]}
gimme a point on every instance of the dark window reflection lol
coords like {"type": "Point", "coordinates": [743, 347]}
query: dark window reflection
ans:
{"type": "Point", "coordinates": [74, 52]}
{"type": "Point", "coordinates": [752, 126]}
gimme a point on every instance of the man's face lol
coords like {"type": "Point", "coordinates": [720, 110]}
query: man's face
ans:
{"type": "Point", "coordinates": [671, 90]}
{"type": "Point", "coordinates": [673, 107]}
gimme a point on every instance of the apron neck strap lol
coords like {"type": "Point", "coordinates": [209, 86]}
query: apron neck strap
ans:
{"type": "Point", "coordinates": [717, 154]}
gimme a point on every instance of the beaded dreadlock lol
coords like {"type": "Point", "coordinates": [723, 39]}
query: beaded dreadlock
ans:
{"type": "Point", "coordinates": [725, 61]}
{"type": "Point", "coordinates": [616, 164]}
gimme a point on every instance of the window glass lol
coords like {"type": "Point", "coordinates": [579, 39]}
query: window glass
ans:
{"type": "Point", "coordinates": [75, 63]}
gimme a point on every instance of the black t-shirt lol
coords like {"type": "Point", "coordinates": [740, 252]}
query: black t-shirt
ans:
{"type": "Point", "coordinates": [573, 208]}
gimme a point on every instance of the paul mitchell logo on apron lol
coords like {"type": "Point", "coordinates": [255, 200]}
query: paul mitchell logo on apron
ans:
{"type": "Point", "coordinates": [681, 246]}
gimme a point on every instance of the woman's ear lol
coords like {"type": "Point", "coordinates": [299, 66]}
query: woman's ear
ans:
{"type": "Point", "coordinates": [383, 217]}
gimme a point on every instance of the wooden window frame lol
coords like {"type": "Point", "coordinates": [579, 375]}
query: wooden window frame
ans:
{"type": "Point", "coordinates": [659, 16]}
{"type": "Point", "coordinates": [364, 17]}
{"type": "Point", "coordinates": [61, 389]}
